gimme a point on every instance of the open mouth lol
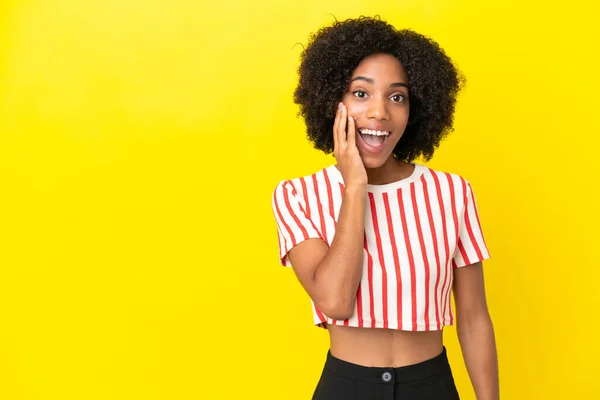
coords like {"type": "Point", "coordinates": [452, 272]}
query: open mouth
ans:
{"type": "Point", "coordinates": [372, 137]}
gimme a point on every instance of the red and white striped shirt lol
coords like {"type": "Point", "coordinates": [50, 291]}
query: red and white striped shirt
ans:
{"type": "Point", "coordinates": [417, 230]}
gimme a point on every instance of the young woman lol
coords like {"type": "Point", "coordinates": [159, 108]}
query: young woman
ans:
{"type": "Point", "coordinates": [378, 241]}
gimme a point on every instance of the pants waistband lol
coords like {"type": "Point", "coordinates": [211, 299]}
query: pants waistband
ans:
{"type": "Point", "coordinates": [390, 375]}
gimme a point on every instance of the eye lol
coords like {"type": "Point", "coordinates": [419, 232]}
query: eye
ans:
{"type": "Point", "coordinates": [398, 98]}
{"type": "Point", "coordinates": [360, 94]}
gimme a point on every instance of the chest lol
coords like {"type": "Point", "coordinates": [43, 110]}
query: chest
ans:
{"type": "Point", "coordinates": [413, 225]}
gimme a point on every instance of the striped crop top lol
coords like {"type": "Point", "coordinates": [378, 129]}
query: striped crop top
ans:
{"type": "Point", "coordinates": [417, 231]}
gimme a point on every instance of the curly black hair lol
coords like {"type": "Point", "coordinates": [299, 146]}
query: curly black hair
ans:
{"type": "Point", "coordinates": [335, 51]}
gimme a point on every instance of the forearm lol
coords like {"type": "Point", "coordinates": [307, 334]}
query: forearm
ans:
{"type": "Point", "coordinates": [478, 345]}
{"type": "Point", "coordinates": [339, 273]}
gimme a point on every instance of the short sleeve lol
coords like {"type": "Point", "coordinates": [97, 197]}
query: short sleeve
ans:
{"type": "Point", "coordinates": [293, 223]}
{"type": "Point", "coordinates": [471, 246]}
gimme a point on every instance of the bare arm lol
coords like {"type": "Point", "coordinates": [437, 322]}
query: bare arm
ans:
{"type": "Point", "coordinates": [331, 275]}
{"type": "Point", "coordinates": [476, 332]}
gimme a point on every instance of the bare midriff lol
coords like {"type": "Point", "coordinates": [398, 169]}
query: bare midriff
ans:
{"type": "Point", "coordinates": [377, 347]}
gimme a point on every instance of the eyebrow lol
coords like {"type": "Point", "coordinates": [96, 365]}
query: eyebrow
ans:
{"type": "Point", "coordinates": [371, 81]}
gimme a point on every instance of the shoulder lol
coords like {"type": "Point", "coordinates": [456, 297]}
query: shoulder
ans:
{"type": "Point", "coordinates": [446, 177]}
{"type": "Point", "coordinates": [300, 184]}
{"type": "Point", "coordinates": [443, 173]}
{"type": "Point", "coordinates": [449, 185]}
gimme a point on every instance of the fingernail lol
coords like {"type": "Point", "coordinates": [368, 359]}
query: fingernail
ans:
{"type": "Point", "coordinates": [340, 105]}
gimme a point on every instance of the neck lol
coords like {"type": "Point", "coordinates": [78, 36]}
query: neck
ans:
{"type": "Point", "coordinates": [390, 171]}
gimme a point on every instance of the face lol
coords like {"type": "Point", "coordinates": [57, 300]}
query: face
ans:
{"type": "Point", "coordinates": [377, 99]}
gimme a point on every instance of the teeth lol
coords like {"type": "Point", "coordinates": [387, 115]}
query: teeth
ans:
{"type": "Point", "coordinates": [373, 132]}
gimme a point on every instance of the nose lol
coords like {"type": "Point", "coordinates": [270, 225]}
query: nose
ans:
{"type": "Point", "coordinates": [377, 108]}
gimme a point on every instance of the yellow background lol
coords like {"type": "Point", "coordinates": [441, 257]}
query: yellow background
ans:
{"type": "Point", "coordinates": [141, 141]}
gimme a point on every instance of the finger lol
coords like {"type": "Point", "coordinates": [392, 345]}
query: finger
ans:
{"type": "Point", "coordinates": [342, 128]}
{"type": "Point", "coordinates": [351, 132]}
{"type": "Point", "coordinates": [335, 128]}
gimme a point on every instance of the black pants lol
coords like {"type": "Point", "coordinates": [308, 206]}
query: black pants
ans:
{"type": "Point", "coordinates": [429, 380]}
